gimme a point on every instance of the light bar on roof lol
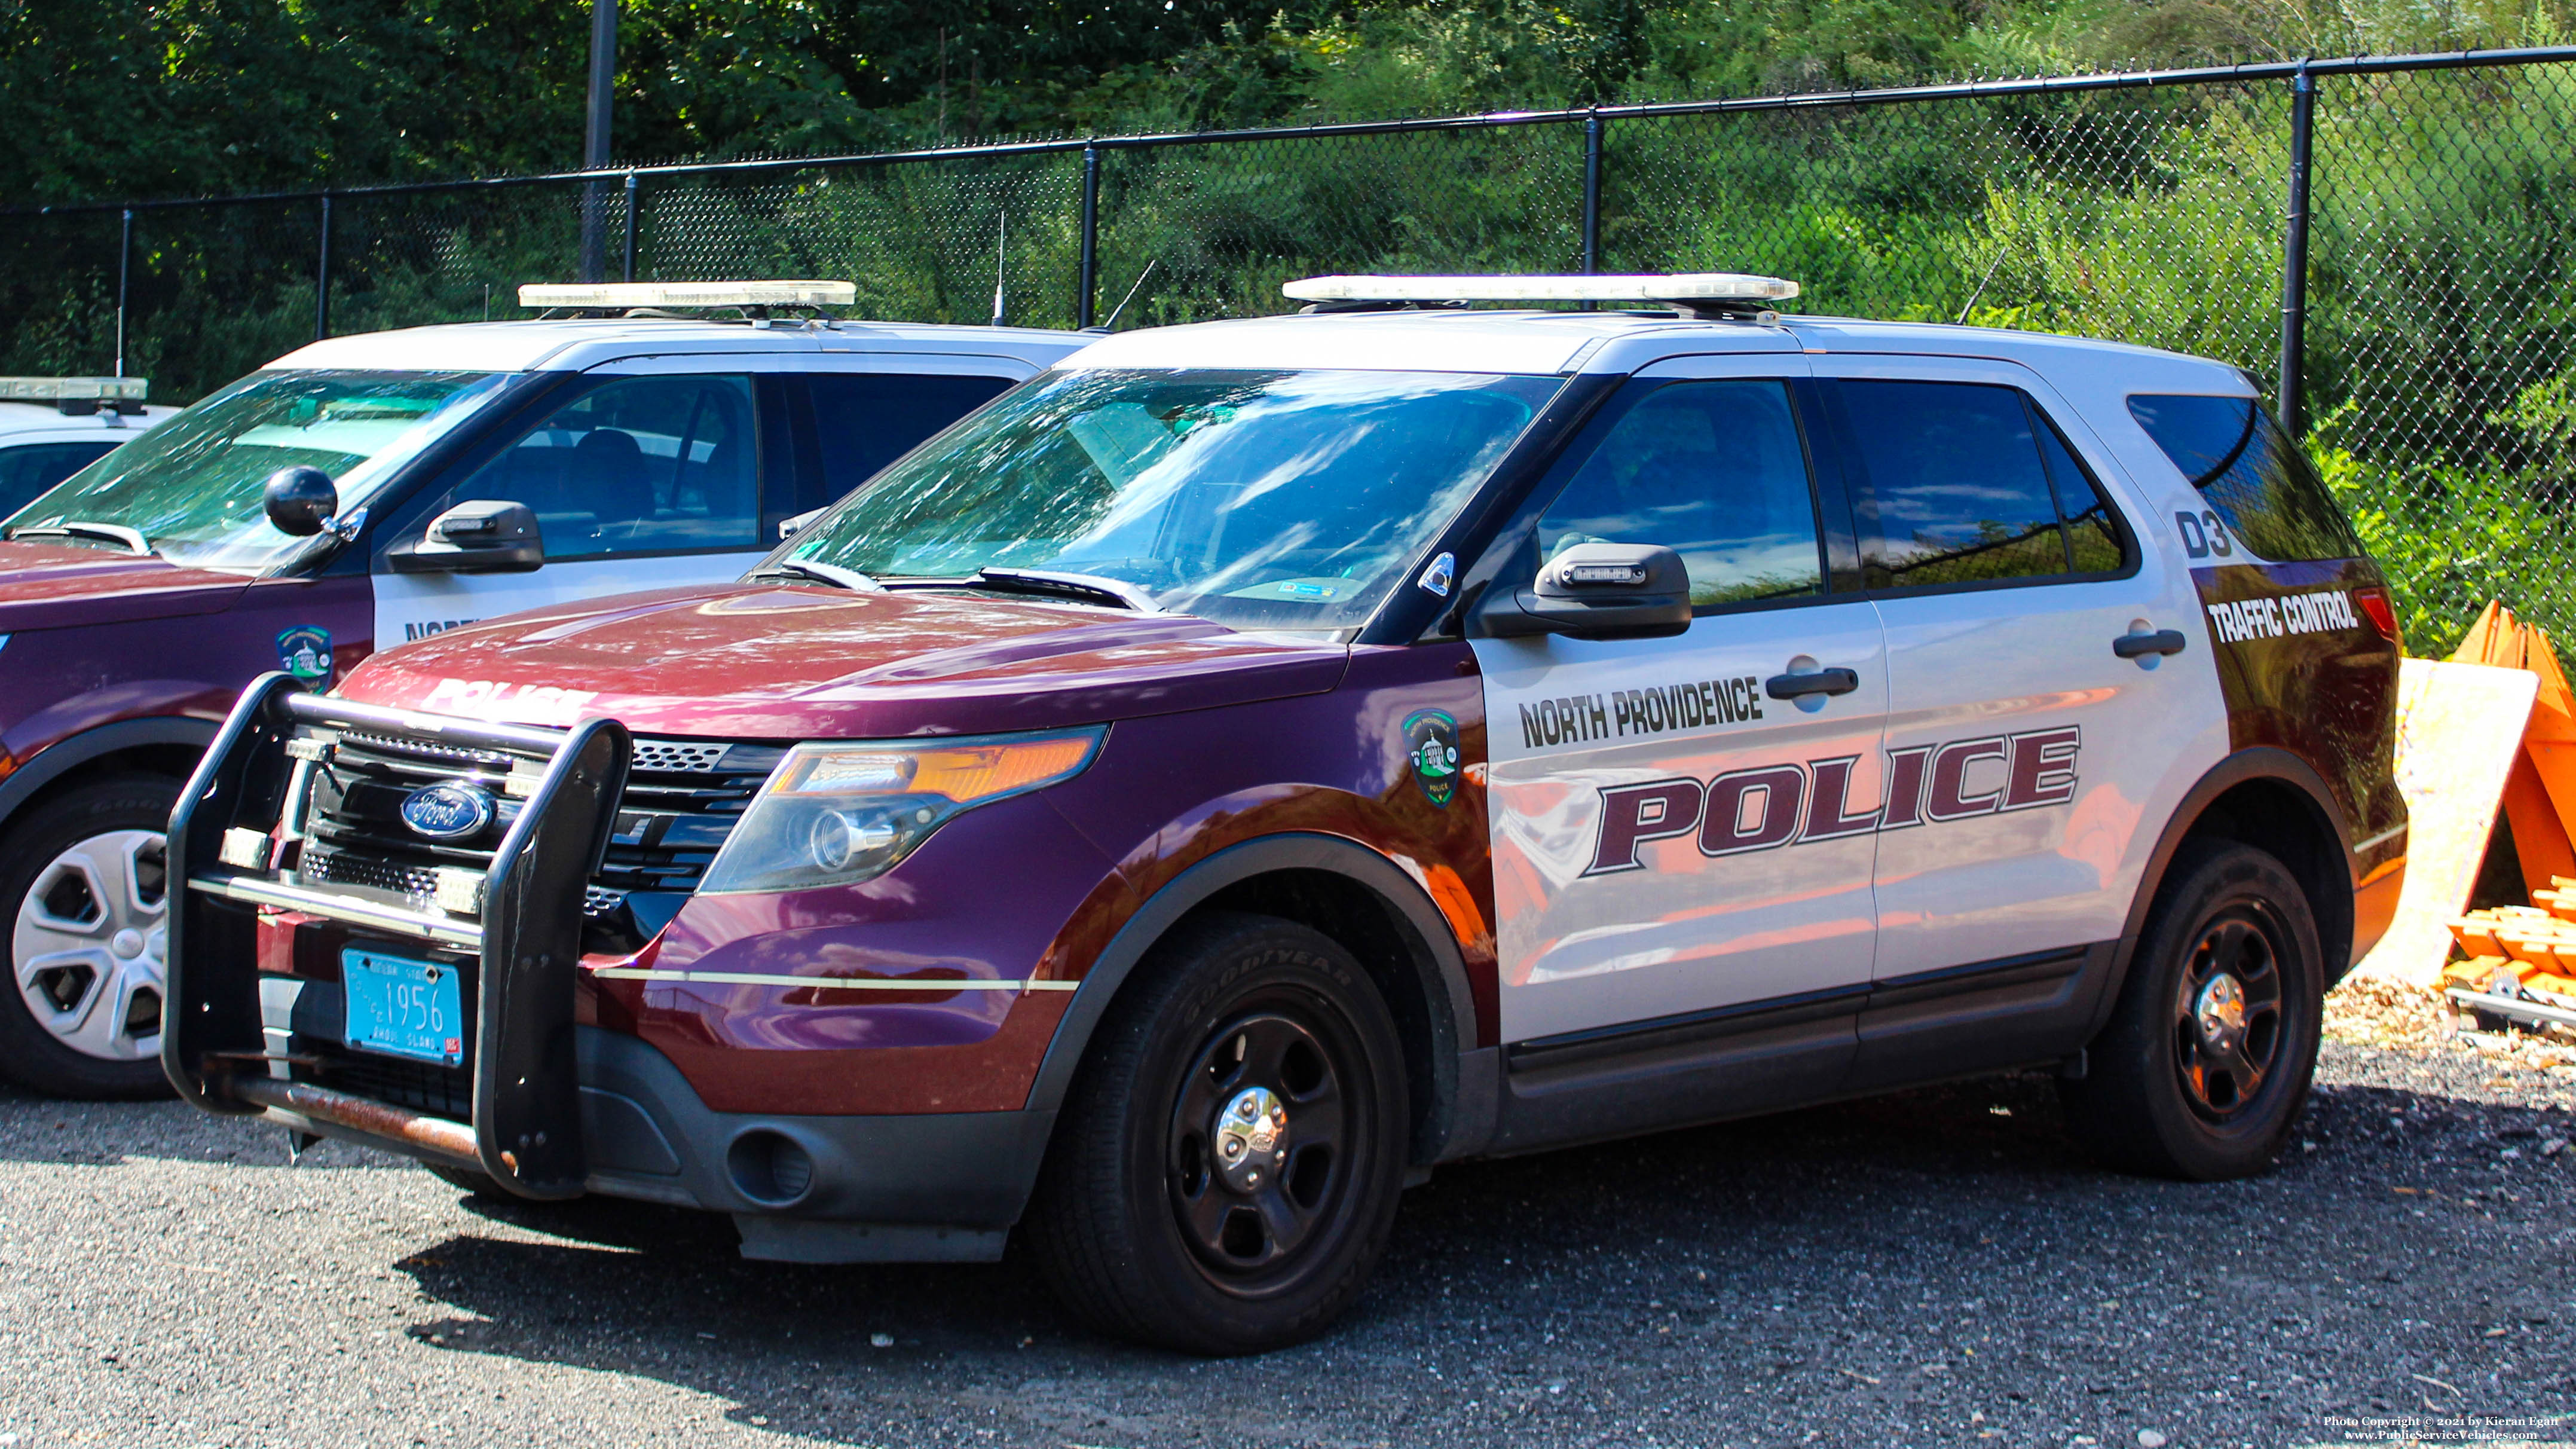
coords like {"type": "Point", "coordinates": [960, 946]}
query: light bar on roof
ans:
{"type": "Point", "coordinates": [73, 389]}
{"type": "Point", "coordinates": [620, 295]}
{"type": "Point", "coordinates": [1701, 287]}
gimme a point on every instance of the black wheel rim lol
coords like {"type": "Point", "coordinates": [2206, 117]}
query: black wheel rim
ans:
{"type": "Point", "coordinates": [2228, 1016]}
{"type": "Point", "coordinates": [1262, 1148]}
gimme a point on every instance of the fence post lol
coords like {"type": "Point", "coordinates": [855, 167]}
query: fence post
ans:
{"type": "Point", "coordinates": [1090, 282]}
{"type": "Point", "coordinates": [124, 272]}
{"type": "Point", "coordinates": [322, 277]}
{"type": "Point", "coordinates": [1592, 129]}
{"type": "Point", "coordinates": [630, 226]}
{"type": "Point", "coordinates": [2294, 256]}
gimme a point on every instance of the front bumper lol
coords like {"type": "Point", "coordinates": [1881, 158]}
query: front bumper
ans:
{"type": "Point", "coordinates": [547, 1108]}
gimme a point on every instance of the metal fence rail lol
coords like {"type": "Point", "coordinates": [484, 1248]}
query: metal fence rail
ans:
{"type": "Point", "coordinates": [2385, 240]}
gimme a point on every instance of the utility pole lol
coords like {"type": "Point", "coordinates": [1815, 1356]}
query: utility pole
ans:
{"type": "Point", "coordinates": [595, 144]}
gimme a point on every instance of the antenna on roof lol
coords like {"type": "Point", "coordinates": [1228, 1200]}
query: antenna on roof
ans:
{"type": "Point", "coordinates": [1112, 324]}
{"type": "Point", "coordinates": [1001, 256]}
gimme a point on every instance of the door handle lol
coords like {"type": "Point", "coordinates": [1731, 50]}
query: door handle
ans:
{"type": "Point", "coordinates": [1823, 681]}
{"type": "Point", "coordinates": [2163, 641]}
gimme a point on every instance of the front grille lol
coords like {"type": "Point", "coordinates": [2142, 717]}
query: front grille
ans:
{"type": "Point", "coordinates": [422, 1086]}
{"type": "Point", "coordinates": [682, 799]}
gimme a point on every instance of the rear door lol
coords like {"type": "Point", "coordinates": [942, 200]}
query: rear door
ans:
{"type": "Point", "coordinates": [2024, 750]}
{"type": "Point", "coordinates": [1672, 840]}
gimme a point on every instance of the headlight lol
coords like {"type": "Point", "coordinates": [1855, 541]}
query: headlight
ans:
{"type": "Point", "coordinates": [831, 814]}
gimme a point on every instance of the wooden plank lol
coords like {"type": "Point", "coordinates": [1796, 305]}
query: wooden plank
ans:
{"type": "Point", "coordinates": [2459, 730]}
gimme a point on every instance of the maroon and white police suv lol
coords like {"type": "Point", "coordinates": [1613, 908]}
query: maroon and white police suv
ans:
{"type": "Point", "coordinates": [363, 491]}
{"type": "Point", "coordinates": [1256, 762]}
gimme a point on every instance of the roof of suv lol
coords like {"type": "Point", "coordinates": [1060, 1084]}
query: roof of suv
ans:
{"type": "Point", "coordinates": [573, 344]}
{"type": "Point", "coordinates": [1537, 342]}
{"type": "Point", "coordinates": [27, 420]}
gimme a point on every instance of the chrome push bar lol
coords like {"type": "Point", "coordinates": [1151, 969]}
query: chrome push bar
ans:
{"type": "Point", "coordinates": [526, 1127]}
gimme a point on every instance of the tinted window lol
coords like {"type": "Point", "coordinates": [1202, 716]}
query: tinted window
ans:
{"type": "Point", "coordinates": [28, 471]}
{"type": "Point", "coordinates": [1714, 471]}
{"type": "Point", "coordinates": [2092, 531]}
{"type": "Point", "coordinates": [2252, 476]}
{"type": "Point", "coordinates": [636, 465]}
{"type": "Point", "coordinates": [1954, 488]}
{"type": "Point", "coordinates": [864, 421]}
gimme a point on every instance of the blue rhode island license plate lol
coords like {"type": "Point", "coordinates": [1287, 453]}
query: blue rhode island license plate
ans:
{"type": "Point", "coordinates": [403, 1008]}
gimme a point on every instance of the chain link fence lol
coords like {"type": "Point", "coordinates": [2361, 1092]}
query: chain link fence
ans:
{"type": "Point", "coordinates": [2436, 374]}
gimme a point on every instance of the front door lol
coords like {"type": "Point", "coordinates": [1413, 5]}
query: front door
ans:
{"type": "Point", "coordinates": [1682, 826]}
{"type": "Point", "coordinates": [637, 483]}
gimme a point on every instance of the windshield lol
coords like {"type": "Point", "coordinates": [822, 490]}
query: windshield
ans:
{"type": "Point", "coordinates": [1259, 499]}
{"type": "Point", "coordinates": [191, 486]}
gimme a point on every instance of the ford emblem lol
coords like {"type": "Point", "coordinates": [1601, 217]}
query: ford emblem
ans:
{"type": "Point", "coordinates": [447, 811]}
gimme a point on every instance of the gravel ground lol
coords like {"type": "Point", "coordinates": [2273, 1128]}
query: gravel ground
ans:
{"type": "Point", "coordinates": [1933, 1268]}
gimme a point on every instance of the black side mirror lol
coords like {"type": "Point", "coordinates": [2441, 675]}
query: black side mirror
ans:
{"type": "Point", "coordinates": [483, 536]}
{"type": "Point", "coordinates": [1595, 591]}
{"type": "Point", "coordinates": [299, 500]}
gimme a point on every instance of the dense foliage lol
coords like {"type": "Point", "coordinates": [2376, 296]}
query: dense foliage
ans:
{"type": "Point", "coordinates": [2440, 345]}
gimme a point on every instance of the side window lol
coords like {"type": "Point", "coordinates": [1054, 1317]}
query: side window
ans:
{"type": "Point", "coordinates": [635, 465]}
{"type": "Point", "coordinates": [2252, 476]}
{"type": "Point", "coordinates": [1715, 471]}
{"type": "Point", "coordinates": [2093, 539]}
{"type": "Point", "coordinates": [27, 471]}
{"type": "Point", "coordinates": [1954, 490]}
{"type": "Point", "coordinates": [864, 421]}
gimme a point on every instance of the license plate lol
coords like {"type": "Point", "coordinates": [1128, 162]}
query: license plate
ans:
{"type": "Point", "coordinates": [403, 1008]}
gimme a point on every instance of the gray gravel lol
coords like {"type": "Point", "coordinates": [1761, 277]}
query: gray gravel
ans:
{"type": "Point", "coordinates": [1938, 1267]}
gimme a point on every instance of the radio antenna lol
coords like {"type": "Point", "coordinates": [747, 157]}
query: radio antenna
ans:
{"type": "Point", "coordinates": [1001, 256]}
{"type": "Point", "coordinates": [1112, 324]}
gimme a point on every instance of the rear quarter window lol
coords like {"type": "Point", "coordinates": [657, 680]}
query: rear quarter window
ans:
{"type": "Point", "coordinates": [2250, 474]}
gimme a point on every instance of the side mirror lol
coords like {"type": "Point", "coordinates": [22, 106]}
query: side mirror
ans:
{"type": "Point", "coordinates": [483, 536]}
{"type": "Point", "coordinates": [1595, 591]}
{"type": "Point", "coordinates": [299, 500]}
{"type": "Point", "coordinates": [790, 527]}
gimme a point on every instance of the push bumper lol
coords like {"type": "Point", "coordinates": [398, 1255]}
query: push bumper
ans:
{"type": "Point", "coordinates": [553, 1109]}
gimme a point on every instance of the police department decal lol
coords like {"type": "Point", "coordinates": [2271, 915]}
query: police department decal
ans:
{"type": "Point", "coordinates": [1431, 744]}
{"type": "Point", "coordinates": [305, 652]}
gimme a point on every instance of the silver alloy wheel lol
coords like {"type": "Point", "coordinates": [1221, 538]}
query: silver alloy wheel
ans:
{"type": "Point", "coordinates": [89, 945]}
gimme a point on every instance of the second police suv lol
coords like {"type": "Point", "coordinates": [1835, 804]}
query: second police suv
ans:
{"type": "Point", "coordinates": [1254, 762]}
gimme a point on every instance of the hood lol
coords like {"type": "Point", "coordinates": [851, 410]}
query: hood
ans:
{"type": "Point", "coordinates": [52, 586]}
{"type": "Point", "coordinates": [787, 662]}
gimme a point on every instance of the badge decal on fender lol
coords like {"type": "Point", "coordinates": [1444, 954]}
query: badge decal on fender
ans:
{"type": "Point", "coordinates": [1431, 744]}
{"type": "Point", "coordinates": [305, 652]}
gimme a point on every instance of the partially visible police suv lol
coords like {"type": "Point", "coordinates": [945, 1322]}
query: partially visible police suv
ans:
{"type": "Point", "coordinates": [1255, 762]}
{"type": "Point", "coordinates": [52, 427]}
{"type": "Point", "coordinates": [359, 492]}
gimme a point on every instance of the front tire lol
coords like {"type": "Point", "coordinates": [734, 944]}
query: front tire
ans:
{"type": "Point", "coordinates": [2207, 1060]}
{"type": "Point", "coordinates": [84, 896]}
{"type": "Point", "coordinates": [1224, 1176]}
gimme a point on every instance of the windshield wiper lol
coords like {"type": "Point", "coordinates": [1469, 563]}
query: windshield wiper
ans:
{"type": "Point", "coordinates": [832, 574]}
{"type": "Point", "coordinates": [132, 538]}
{"type": "Point", "coordinates": [1082, 586]}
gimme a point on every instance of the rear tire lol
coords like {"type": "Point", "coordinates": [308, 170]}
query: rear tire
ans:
{"type": "Point", "coordinates": [472, 1182]}
{"type": "Point", "coordinates": [2209, 1054]}
{"type": "Point", "coordinates": [85, 902]}
{"type": "Point", "coordinates": [1224, 1175]}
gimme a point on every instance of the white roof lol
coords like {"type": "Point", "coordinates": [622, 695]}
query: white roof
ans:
{"type": "Point", "coordinates": [572, 345]}
{"type": "Point", "coordinates": [1535, 343]}
{"type": "Point", "coordinates": [1529, 343]}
